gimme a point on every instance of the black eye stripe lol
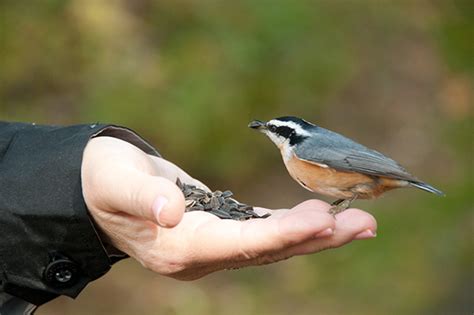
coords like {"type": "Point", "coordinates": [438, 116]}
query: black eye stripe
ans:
{"type": "Point", "coordinates": [284, 131]}
{"type": "Point", "coordinates": [287, 133]}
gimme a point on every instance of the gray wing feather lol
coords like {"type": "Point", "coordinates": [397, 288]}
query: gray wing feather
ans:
{"type": "Point", "coordinates": [341, 153]}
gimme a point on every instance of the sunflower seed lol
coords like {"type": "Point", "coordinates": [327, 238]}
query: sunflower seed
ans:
{"type": "Point", "coordinates": [195, 208]}
{"type": "Point", "coordinates": [189, 203]}
{"type": "Point", "coordinates": [227, 194]}
{"type": "Point", "coordinates": [218, 203]}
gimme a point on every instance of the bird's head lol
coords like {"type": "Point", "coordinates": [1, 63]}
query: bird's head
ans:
{"type": "Point", "coordinates": [285, 131]}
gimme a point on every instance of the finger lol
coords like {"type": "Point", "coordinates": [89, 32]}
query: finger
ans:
{"type": "Point", "coordinates": [150, 197]}
{"type": "Point", "coordinates": [350, 225]}
{"type": "Point", "coordinates": [314, 204]}
{"type": "Point", "coordinates": [231, 241]}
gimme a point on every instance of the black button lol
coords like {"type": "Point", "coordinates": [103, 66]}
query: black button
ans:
{"type": "Point", "coordinates": [61, 273]}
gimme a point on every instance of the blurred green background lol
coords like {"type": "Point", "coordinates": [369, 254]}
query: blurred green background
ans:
{"type": "Point", "coordinates": [189, 75]}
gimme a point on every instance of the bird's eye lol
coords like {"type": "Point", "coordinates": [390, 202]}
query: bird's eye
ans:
{"type": "Point", "coordinates": [272, 128]}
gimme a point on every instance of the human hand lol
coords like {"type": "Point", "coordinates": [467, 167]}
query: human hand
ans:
{"type": "Point", "coordinates": [133, 199]}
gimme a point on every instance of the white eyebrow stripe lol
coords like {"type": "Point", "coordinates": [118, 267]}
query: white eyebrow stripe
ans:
{"type": "Point", "coordinates": [299, 130]}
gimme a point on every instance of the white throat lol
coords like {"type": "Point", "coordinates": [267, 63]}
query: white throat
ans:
{"type": "Point", "coordinates": [283, 144]}
{"type": "Point", "coordinates": [287, 151]}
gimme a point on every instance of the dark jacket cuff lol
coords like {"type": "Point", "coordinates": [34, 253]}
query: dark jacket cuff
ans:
{"type": "Point", "coordinates": [49, 245]}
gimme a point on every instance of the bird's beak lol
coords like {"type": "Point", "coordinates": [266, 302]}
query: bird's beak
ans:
{"type": "Point", "coordinates": [257, 124]}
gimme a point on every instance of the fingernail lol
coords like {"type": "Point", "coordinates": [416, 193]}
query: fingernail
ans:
{"type": "Point", "coordinates": [365, 235]}
{"type": "Point", "coordinates": [158, 205]}
{"type": "Point", "coordinates": [327, 232]}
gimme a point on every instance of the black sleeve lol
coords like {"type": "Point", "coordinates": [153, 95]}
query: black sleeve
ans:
{"type": "Point", "coordinates": [48, 243]}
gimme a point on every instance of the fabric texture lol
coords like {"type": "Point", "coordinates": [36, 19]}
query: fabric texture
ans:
{"type": "Point", "coordinates": [49, 245]}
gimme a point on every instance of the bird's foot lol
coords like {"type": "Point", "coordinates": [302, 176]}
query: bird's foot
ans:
{"type": "Point", "coordinates": [339, 206]}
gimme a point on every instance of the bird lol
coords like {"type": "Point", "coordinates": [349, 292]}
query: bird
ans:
{"type": "Point", "coordinates": [328, 163]}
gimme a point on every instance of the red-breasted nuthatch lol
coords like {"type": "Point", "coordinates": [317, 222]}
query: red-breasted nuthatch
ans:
{"type": "Point", "coordinates": [328, 163]}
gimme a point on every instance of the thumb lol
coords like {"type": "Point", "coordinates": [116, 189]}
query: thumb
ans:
{"type": "Point", "coordinates": [150, 197]}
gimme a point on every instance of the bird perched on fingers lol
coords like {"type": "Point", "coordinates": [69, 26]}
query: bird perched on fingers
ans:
{"type": "Point", "coordinates": [328, 163]}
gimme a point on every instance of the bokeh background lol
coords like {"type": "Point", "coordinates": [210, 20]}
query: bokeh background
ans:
{"type": "Point", "coordinates": [189, 75]}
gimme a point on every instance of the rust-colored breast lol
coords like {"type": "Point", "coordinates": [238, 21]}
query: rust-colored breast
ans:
{"type": "Point", "coordinates": [328, 181]}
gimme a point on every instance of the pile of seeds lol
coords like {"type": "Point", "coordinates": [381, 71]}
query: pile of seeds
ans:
{"type": "Point", "coordinates": [219, 203]}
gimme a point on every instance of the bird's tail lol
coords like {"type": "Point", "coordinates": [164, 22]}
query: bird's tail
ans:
{"type": "Point", "coordinates": [428, 188]}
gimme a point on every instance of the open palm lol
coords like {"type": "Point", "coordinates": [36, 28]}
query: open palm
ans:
{"type": "Point", "coordinates": [140, 211]}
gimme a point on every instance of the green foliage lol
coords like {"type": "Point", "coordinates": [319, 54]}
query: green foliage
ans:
{"type": "Point", "coordinates": [455, 35]}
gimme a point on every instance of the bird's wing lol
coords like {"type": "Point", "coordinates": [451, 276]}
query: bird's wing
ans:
{"type": "Point", "coordinates": [338, 152]}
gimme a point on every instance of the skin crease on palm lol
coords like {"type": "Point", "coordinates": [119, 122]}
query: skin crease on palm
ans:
{"type": "Point", "coordinates": [123, 187]}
